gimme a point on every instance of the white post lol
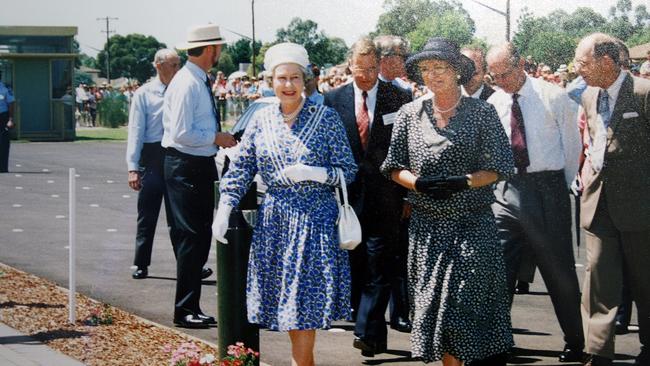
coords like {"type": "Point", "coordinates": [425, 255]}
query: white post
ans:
{"type": "Point", "coordinates": [72, 238]}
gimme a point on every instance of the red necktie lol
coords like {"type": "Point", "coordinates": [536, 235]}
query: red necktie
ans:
{"type": "Point", "coordinates": [518, 137]}
{"type": "Point", "coordinates": [363, 121]}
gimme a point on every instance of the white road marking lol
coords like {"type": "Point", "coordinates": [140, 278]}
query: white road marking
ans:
{"type": "Point", "coordinates": [55, 196]}
{"type": "Point", "coordinates": [85, 188]}
{"type": "Point", "coordinates": [46, 170]}
{"type": "Point", "coordinates": [19, 187]}
{"type": "Point", "coordinates": [18, 165]}
{"type": "Point", "coordinates": [111, 230]}
{"type": "Point", "coordinates": [109, 181]}
{"type": "Point", "coordinates": [77, 175]}
{"type": "Point", "coordinates": [18, 175]}
{"type": "Point", "coordinates": [66, 247]}
{"type": "Point", "coordinates": [16, 205]}
{"type": "Point", "coordinates": [17, 230]}
{"type": "Point", "coordinates": [126, 196]}
{"type": "Point", "coordinates": [60, 216]}
{"type": "Point", "coordinates": [50, 181]}
{"type": "Point", "coordinates": [94, 205]}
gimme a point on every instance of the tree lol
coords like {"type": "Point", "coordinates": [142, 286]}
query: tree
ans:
{"type": "Point", "coordinates": [403, 17]}
{"type": "Point", "coordinates": [226, 63]}
{"type": "Point", "coordinates": [451, 25]}
{"type": "Point", "coordinates": [130, 56]}
{"type": "Point", "coordinates": [321, 49]}
{"type": "Point", "coordinates": [553, 48]}
{"type": "Point", "coordinates": [583, 21]}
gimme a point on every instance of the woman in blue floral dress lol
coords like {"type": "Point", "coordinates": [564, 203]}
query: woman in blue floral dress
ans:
{"type": "Point", "coordinates": [298, 277]}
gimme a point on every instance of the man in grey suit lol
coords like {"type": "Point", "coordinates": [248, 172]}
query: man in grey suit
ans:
{"type": "Point", "coordinates": [533, 208]}
{"type": "Point", "coordinates": [615, 205]}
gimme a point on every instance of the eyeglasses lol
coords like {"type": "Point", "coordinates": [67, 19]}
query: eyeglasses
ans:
{"type": "Point", "coordinates": [359, 70]}
{"type": "Point", "coordinates": [437, 70]}
{"type": "Point", "coordinates": [503, 74]}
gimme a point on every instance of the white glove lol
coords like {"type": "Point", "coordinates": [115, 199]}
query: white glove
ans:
{"type": "Point", "coordinates": [220, 223]}
{"type": "Point", "coordinates": [301, 172]}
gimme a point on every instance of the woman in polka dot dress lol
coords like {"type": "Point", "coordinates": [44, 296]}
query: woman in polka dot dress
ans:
{"type": "Point", "coordinates": [448, 149]}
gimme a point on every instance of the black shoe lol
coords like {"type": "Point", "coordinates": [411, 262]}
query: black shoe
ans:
{"type": "Point", "coordinates": [522, 288]}
{"type": "Point", "coordinates": [401, 325]}
{"type": "Point", "coordinates": [190, 321]}
{"type": "Point", "coordinates": [643, 359]}
{"type": "Point", "coordinates": [595, 360]}
{"type": "Point", "coordinates": [368, 348]}
{"type": "Point", "coordinates": [209, 320]}
{"type": "Point", "coordinates": [205, 273]}
{"type": "Point", "coordinates": [621, 328]}
{"type": "Point", "coordinates": [572, 354]}
{"type": "Point", "coordinates": [140, 273]}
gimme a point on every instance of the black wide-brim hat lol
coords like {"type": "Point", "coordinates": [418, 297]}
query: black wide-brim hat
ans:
{"type": "Point", "coordinates": [438, 48]}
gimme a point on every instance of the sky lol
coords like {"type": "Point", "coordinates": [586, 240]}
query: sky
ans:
{"type": "Point", "coordinates": [168, 21]}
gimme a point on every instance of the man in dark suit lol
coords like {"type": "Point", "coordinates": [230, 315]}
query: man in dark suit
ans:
{"type": "Point", "coordinates": [476, 86]}
{"type": "Point", "coordinates": [614, 207]}
{"type": "Point", "coordinates": [367, 107]}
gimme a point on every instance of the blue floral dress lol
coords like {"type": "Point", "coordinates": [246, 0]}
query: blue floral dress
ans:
{"type": "Point", "coordinates": [298, 277]}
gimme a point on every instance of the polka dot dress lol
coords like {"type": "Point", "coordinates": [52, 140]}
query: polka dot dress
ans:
{"type": "Point", "coordinates": [456, 271]}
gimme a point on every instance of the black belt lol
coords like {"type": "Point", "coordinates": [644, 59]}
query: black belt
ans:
{"type": "Point", "coordinates": [173, 152]}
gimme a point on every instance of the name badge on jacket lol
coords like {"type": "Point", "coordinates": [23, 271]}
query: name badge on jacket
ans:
{"type": "Point", "coordinates": [389, 118]}
{"type": "Point", "coordinates": [628, 115]}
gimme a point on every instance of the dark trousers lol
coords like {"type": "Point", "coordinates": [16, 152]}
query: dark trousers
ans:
{"type": "Point", "coordinates": [190, 181]}
{"type": "Point", "coordinates": [5, 142]}
{"type": "Point", "coordinates": [152, 192]}
{"type": "Point", "coordinates": [399, 301]}
{"type": "Point", "coordinates": [534, 209]}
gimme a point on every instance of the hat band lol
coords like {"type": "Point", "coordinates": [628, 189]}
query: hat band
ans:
{"type": "Point", "coordinates": [206, 40]}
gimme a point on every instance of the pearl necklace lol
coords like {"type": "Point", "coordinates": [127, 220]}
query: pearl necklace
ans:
{"type": "Point", "coordinates": [291, 116]}
{"type": "Point", "coordinates": [441, 111]}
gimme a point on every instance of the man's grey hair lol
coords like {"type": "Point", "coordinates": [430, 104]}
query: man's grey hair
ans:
{"type": "Point", "coordinates": [391, 45]}
{"type": "Point", "coordinates": [603, 45]}
{"type": "Point", "coordinates": [510, 50]}
{"type": "Point", "coordinates": [162, 55]}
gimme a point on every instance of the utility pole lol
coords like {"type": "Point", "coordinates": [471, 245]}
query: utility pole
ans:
{"type": "Point", "coordinates": [506, 14]}
{"type": "Point", "coordinates": [108, 56]}
{"type": "Point", "coordinates": [253, 42]}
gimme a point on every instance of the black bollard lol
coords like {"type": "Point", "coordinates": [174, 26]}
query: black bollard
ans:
{"type": "Point", "coordinates": [232, 265]}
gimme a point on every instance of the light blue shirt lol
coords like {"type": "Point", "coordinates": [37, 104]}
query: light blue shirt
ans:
{"type": "Point", "coordinates": [316, 97]}
{"type": "Point", "coordinates": [145, 120]}
{"type": "Point", "coordinates": [6, 98]}
{"type": "Point", "coordinates": [189, 122]}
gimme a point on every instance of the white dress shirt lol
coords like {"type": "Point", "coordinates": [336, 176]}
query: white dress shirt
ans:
{"type": "Point", "coordinates": [476, 95]}
{"type": "Point", "coordinates": [552, 135]}
{"type": "Point", "coordinates": [371, 101]}
{"type": "Point", "coordinates": [190, 125]}
{"type": "Point", "coordinates": [398, 82]}
{"type": "Point", "coordinates": [145, 120]}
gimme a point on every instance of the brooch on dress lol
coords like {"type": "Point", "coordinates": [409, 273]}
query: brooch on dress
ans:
{"type": "Point", "coordinates": [312, 109]}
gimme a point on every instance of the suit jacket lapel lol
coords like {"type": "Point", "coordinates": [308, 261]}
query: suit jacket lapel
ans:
{"type": "Point", "coordinates": [349, 118]}
{"type": "Point", "coordinates": [625, 102]}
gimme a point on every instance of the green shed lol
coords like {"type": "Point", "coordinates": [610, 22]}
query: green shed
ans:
{"type": "Point", "coordinates": [37, 63]}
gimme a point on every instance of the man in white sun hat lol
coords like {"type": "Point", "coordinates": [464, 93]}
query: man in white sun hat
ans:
{"type": "Point", "coordinates": [192, 135]}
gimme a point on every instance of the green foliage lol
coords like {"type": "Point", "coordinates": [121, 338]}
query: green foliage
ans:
{"type": "Point", "coordinates": [102, 134]}
{"type": "Point", "coordinates": [321, 48]}
{"type": "Point", "coordinates": [131, 56]}
{"type": "Point", "coordinates": [641, 37]}
{"type": "Point", "coordinates": [553, 48]}
{"type": "Point", "coordinates": [82, 78]}
{"type": "Point", "coordinates": [241, 51]}
{"type": "Point", "coordinates": [226, 63]}
{"type": "Point", "coordinates": [112, 110]}
{"type": "Point", "coordinates": [451, 25]}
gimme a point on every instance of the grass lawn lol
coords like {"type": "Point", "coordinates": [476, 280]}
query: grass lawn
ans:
{"type": "Point", "coordinates": [101, 134]}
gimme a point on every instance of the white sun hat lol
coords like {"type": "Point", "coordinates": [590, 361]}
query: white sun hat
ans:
{"type": "Point", "coordinates": [285, 53]}
{"type": "Point", "coordinates": [202, 35]}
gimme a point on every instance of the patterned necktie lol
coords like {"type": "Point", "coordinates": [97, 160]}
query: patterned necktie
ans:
{"type": "Point", "coordinates": [603, 106]}
{"type": "Point", "coordinates": [518, 136]}
{"type": "Point", "coordinates": [363, 121]}
{"type": "Point", "coordinates": [214, 106]}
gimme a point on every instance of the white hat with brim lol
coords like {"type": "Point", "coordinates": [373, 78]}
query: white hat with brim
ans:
{"type": "Point", "coordinates": [202, 35]}
{"type": "Point", "coordinates": [285, 53]}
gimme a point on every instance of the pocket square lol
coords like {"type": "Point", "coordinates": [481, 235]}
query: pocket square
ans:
{"type": "Point", "coordinates": [627, 115]}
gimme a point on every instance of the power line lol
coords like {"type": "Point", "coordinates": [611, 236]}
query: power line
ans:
{"type": "Point", "coordinates": [108, 31]}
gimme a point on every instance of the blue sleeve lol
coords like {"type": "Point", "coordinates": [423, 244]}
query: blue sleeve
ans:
{"type": "Point", "coordinates": [339, 149]}
{"type": "Point", "coordinates": [242, 169]}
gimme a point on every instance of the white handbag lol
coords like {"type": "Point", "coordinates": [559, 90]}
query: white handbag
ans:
{"type": "Point", "coordinates": [348, 223]}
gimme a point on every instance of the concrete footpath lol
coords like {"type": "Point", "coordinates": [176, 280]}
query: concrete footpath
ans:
{"type": "Point", "coordinates": [34, 238]}
{"type": "Point", "coordinates": [17, 349]}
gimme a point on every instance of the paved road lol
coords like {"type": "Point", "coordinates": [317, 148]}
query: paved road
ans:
{"type": "Point", "coordinates": [33, 238]}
